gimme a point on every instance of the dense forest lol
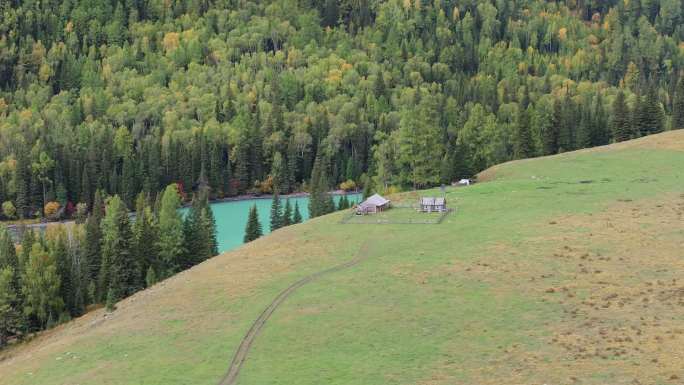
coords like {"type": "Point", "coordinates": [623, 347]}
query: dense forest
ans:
{"type": "Point", "coordinates": [104, 257]}
{"type": "Point", "coordinates": [126, 96]}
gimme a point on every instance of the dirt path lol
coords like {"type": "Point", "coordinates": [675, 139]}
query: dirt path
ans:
{"type": "Point", "coordinates": [241, 353]}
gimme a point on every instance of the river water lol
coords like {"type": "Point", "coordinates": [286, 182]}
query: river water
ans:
{"type": "Point", "coordinates": [231, 217]}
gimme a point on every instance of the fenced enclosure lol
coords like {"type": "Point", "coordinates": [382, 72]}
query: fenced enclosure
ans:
{"type": "Point", "coordinates": [397, 215]}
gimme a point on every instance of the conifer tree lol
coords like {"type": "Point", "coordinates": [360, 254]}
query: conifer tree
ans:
{"type": "Point", "coordinates": [523, 138]}
{"type": "Point", "coordinates": [209, 227]}
{"type": "Point", "coordinates": [40, 287]}
{"type": "Point", "coordinates": [119, 274]}
{"type": "Point", "coordinates": [150, 277]}
{"type": "Point", "coordinates": [586, 127]}
{"type": "Point", "coordinates": [253, 229]}
{"type": "Point", "coordinates": [11, 299]}
{"type": "Point", "coordinates": [199, 231]}
{"type": "Point", "coordinates": [566, 133]}
{"type": "Point", "coordinates": [367, 189]}
{"type": "Point", "coordinates": [291, 170]}
{"type": "Point", "coordinates": [111, 299]}
{"type": "Point", "coordinates": [22, 184]}
{"type": "Point", "coordinates": [59, 252]}
{"type": "Point", "coordinates": [287, 213]}
{"type": "Point", "coordinates": [317, 205]}
{"type": "Point", "coordinates": [600, 130]}
{"type": "Point", "coordinates": [279, 174]}
{"type": "Point", "coordinates": [10, 312]}
{"type": "Point", "coordinates": [678, 108]}
{"type": "Point", "coordinates": [550, 134]}
{"type": "Point", "coordinates": [80, 272]}
{"type": "Point", "coordinates": [651, 117]}
{"type": "Point", "coordinates": [296, 215]}
{"type": "Point", "coordinates": [145, 236]}
{"type": "Point", "coordinates": [636, 115]}
{"type": "Point", "coordinates": [276, 212]}
{"type": "Point", "coordinates": [171, 242]}
{"type": "Point", "coordinates": [343, 203]}
{"type": "Point", "coordinates": [28, 239]}
{"type": "Point", "coordinates": [242, 167]}
{"type": "Point", "coordinates": [8, 253]}
{"type": "Point", "coordinates": [93, 237]}
{"type": "Point", "coordinates": [621, 123]}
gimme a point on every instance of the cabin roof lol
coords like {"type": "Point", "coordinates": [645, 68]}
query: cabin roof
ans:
{"type": "Point", "coordinates": [432, 201]}
{"type": "Point", "coordinates": [374, 200]}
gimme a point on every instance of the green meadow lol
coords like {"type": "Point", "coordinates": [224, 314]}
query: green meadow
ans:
{"type": "Point", "coordinates": [485, 297]}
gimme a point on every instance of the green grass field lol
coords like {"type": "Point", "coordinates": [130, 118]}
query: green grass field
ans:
{"type": "Point", "coordinates": [557, 270]}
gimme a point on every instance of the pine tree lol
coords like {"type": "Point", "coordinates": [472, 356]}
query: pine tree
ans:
{"type": "Point", "coordinates": [119, 274]}
{"type": "Point", "coordinates": [651, 116]}
{"type": "Point", "coordinates": [199, 232]}
{"type": "Point", "coordinates": [40, 287]}
{"type": "Point", "coordinates": [253, 229]}
{"type": "Point", "coordinates": [292, 166]}
{"type": "Point", "coordinates": [11, 299]}
{"type": "Point", "coordinates": [343, 203]}
{"type": "Point", "coordinates": [523, 139]}
{"type": "Point", "coordinates": [8, 253]}
{"type": "Point", "coordinates": [276, 212]}
{"type": "Point", "coordinates": [150, 277]}
{"type": "Point", "coordinates": [80, 273]}
{"type": "Point", "coordinates": [22, 178]}
{"type": "Point", "coordinates": [93, 237]}
{"type": "Point", "coordinates": [678, 108]}
{"type": "Point", "coordinates": [28, 239]}
{"type": "Point", "coordinates": [209, 226]}
{"type": "Point", "coordinates": [287, 213]}
{"type": "Point", "coordinates": [59, 252]}
{"type": "Point", "coordinates": [566, 134]}
{"type": "Point", "coordinates": [330, 13]}
{"type": "Point", "coordinates": [320, 201]}
{"type": "Point", "coordinates": [584, 135]}
{"type": "Point", "coordinates": [171, 242]}
{"type": "Point", "coordinates": [636, 116]}
{"type": "Point", "coordinates": [111, 299]}
{"type": "Point", "coordinates": [145, 236]}
{"type": "Point", "coordinates": [10, 312]}
{"type": "Point", "coordinates": [550, 133]}
{"type": "Point", "coordinates": [600, 133]}
{"type": "Point", "coordinates": [316, 198]}
{"type": "Point", "coordinates": [297, 215]}
{"type": "Point", "coordinates": [367, 189]}
{"type": "Point", "coordinates": [242, 167]}
{"type": "Point", "coordinates": [621, 123]}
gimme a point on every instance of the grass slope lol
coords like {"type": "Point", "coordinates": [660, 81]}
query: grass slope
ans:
{"type": "Point", "coordinates": [559, 270]}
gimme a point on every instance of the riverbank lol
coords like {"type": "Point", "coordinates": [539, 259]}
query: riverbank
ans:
{"type": "Point", "coordinates": [17, 229]}
{"type": "Point", "coordinates": [246, 197]}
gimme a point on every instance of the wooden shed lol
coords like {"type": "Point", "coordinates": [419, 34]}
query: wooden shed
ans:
{"type": "Point", "coordinates": [372, 205]}
{"type": "Point", "coordinates": [432, 204]}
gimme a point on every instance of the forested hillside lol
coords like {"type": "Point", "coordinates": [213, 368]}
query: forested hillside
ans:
{"type": "Point", "coordinates": [131, 95]}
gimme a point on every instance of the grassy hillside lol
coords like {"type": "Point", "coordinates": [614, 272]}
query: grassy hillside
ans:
{"type": "Point", "coordinates": [565, 269]}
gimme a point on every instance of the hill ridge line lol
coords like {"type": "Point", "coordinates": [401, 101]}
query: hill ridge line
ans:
{"type": "Point", "coordinates": [245, 346]}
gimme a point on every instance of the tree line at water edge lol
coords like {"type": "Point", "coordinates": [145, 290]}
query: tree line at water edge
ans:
{"type": "Point", "coordinates": [50, 278]}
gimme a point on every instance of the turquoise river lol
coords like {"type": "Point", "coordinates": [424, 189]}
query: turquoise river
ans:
{"type": "Point", "coordinates": [231, 217]}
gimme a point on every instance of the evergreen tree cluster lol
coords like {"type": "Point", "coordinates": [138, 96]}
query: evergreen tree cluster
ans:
{"type": "Point", "coordinates": [54, 276]}
{"type": "Point", "coordinates": [126, 96]}
{"type": "Point", "coordinates": [285, 215]}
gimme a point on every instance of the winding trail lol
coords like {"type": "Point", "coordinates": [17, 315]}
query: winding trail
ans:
{"type": "Point", "coordinates": [245, 345]}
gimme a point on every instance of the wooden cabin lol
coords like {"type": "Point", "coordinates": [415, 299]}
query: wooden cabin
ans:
{"type": "Point", "coordinates": [372, 205]}
{"type": "Point", "coordinates": [432, 204]}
